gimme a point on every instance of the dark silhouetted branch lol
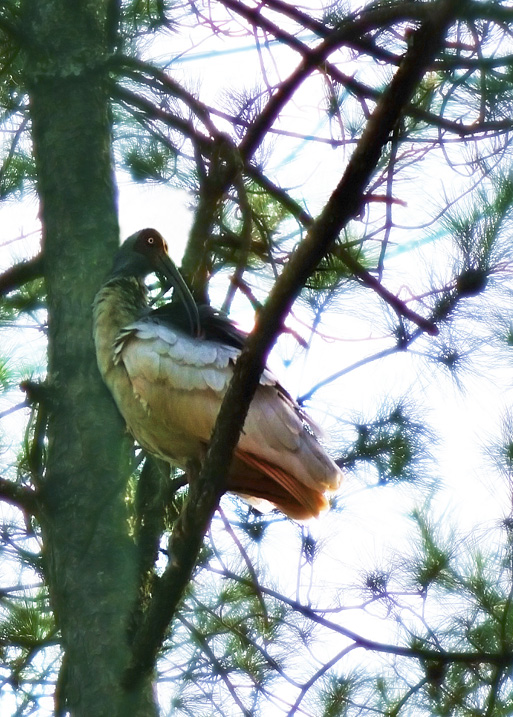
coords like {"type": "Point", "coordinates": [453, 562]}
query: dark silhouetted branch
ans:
{"type": "Point", "coordinates": [345, 202]}
{"type": "Point", "coordinates": [18, 495]}
{"type": "Point", "coordinates": [20, 274]}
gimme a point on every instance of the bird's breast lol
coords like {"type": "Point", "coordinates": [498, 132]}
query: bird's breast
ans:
{"type": "Point", "coordinates": [167, 385]}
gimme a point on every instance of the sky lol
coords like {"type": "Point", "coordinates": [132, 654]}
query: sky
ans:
{"type": "Point", "coordinates": [464, 419]}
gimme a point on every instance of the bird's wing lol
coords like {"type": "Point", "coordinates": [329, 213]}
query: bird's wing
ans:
{"type": "Point", "coordinates": [214, 325]}
{"type": "Point", "coordinates": [276, 433]}
{"type": "Point", "coordinates": [181, 382]}
{"type": "Point", "coordinates": [161, 354]}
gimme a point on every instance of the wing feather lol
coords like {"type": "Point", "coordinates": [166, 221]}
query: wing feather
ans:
{"type": "Point", "coordinates": [180, 383]}
{"type": "Point", "coordinates": [275, 432]}
{"type": "Point", "coordinates": [265, 486]}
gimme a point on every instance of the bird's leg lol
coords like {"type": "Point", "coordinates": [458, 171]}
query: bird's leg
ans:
{"type": "Point", "coordinates": [192, 470]}
{"type": "Point", "coordinates": [191, 474]}
{"type": "Point", "coordinates": [185, 523]}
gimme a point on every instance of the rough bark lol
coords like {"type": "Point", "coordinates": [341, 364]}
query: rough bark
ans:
{"type": "Point", "coordinates": [90, 561]}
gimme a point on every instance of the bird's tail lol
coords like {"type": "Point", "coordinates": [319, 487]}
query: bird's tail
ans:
{"type": "Point", "coordinates": [252, 477]}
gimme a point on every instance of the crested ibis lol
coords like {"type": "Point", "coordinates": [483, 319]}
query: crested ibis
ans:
{"type": "Point", "coordinates": [168, 370]}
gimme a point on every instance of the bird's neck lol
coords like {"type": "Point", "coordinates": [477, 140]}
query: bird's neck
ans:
{"type": "Point", "coordinates": [121, 301]}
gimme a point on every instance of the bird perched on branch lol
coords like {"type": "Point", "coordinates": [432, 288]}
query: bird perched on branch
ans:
{"type": "Point", "coordinates": [168, 370]}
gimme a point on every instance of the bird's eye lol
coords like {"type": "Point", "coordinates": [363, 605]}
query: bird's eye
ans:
{"type": "Point", "coordinates": [150, 240]}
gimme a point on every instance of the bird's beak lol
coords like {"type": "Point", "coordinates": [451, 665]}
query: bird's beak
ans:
{"type": "Point", "coordinates": [169, 272]}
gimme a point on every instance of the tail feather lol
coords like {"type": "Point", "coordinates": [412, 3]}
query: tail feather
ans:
{"type": "Point", "coordinates": [253, 477]}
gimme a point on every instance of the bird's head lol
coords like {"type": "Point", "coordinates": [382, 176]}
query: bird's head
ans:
{"type": "Point", "coordinates": [145, 252]}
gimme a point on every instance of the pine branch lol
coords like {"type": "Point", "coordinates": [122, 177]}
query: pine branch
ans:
{"type": "Point", "coordinates": [301, 215]}
{"type": "Point", "coordinates": [21, 273]}
{"type": "Point", "coordinates": [351, 32]}
{"type": "Point", "coordinates": [367, 279]}
{"type": "Point", "coordinates": [17, 495]}
{"type": "Point", "coordinates": [501, 659]}
{"type": "Point", "coordinates": [353, 26]}
{"type": "Point", "coordinates": [317, 676]}
{"type": "Point", "coordinates": [219, 668]}
{"type": "Point", "coordinates": [345, 202]}
{"type": "Point", "coordinates": [162, 81]}
{"type": "Point", "coordinates": [149, 109]}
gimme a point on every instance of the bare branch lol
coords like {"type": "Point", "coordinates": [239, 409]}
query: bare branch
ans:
{"type": "Point", "coordinates": [317, 675]}
{"type": "Point", "coordinates": [347, 369]}
{"type": "Point", "coordinates": [279, 194]}
{"type": "Point", "coordinates": [220, 670]}
{"type": "Point", "coordinates": [352, 33]}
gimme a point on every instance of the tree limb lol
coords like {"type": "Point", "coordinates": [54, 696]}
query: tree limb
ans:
{"type": "Point", "coordinates": [343, 205]}
{"type": "Point", "coordinates": [18, 495]}
{"type": "Point", "coordinates": [502, 658]}
{"type": "Point", "coordinates": [21, 273]}
{"type": "Point", "coordinates": [351, 32]}
{"type": "Point", "coordinates": [298, 212]}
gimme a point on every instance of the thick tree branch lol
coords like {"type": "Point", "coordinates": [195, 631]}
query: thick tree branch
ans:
{"type": "Point", "coordinates": [343, 205]}
{"type": "Point", "coordinates": [20, 274]}
{"type": "Point", "coordinates": [18, 495]}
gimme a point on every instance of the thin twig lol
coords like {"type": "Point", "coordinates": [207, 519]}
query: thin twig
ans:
{"type": "Point", "coordinates": [420, 653]}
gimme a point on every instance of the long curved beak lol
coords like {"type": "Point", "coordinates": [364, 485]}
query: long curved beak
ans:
{"type": "Point", "coordinates": [169, 272]}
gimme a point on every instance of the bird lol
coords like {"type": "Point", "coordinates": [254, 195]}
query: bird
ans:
{"type": "Point", "coordinates": [168, 370]}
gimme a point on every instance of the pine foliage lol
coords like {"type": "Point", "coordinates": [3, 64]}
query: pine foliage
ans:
{"type": "Point", "coordinates": [358, 170]}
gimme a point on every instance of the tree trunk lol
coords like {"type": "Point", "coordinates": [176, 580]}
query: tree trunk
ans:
{"type": "Point", "coordinates": [90, 560]}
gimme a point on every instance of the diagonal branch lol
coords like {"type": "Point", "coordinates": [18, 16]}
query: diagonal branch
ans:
{"type": "Point", "coordinates": [137, 69]}
{"type": "Point", "coordinates": [353, 32]}
{"type": "Point", "coordinates": [345, 202]}
{"type": "Point", "coordinates": [301, 215]}
{"type": "Point", "coordinates": [186, 127]}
